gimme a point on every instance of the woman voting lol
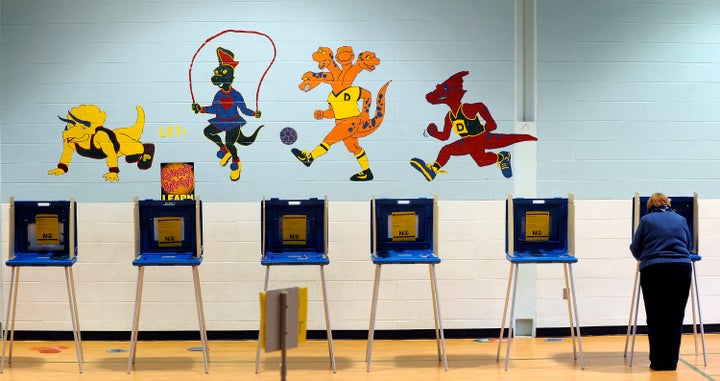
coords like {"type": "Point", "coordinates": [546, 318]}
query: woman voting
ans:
{"type": "Point", "coordinates": [662, 245]}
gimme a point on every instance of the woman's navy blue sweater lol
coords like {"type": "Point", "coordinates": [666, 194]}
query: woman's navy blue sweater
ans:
{"type": "Point", "coordinates": [661, 237]}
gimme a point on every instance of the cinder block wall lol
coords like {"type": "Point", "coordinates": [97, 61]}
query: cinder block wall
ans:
{"type": "Point", "coordinates": [627, 101]}
{"type": "Point", "coordinates": [472, 278]}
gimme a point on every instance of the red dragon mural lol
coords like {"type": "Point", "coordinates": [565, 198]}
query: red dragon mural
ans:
{"type": "Point", "coordinates": [351, 123]}
{"type": "Point", "coordinates": [474, 124]}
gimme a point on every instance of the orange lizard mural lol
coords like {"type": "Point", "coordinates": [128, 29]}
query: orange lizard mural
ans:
{"type": "Point", "coordinates": [474, 124]}
{"type": "Point", "coordinates": [350, 122]}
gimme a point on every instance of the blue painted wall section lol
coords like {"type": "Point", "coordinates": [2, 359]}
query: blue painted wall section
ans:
{"type": "Point", "coordinates": [627, 98]}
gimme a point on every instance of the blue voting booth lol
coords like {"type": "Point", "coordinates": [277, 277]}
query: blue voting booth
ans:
{"type": "Point", "coordinates": [540, 231]}
{"type": "Point", "coordinates": [168, 233]}
{"type": "Point", "coordinates": [295, 233]}
{"type": "Point", "coordinates": [686, 206]}
{"type": "Point", "coordinates": [42, 234]}
{"type": "Point", "coordinates": [404, 231]}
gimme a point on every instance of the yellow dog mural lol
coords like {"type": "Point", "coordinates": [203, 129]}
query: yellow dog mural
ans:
{"type": "Point", "coordinates": [85, 134]}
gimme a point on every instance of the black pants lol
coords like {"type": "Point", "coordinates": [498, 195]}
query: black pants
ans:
{"type": "Point", "coordinates": [211, 132]}
{"type": "Point", "coordinates": [665, 288]}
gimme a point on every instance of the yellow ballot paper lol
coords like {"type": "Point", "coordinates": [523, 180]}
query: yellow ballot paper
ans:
{"type": "Point", "coordinates": [262, 319]}
{"type": "Point", "coordinates": [294, 229]}
{"type": "Point", "coordinates": [169, 231]}
{"type": "Point", "coordinates": [47, 229]}
{"type": "Point", "coordinates": [403, 225]}
{"type": "Point", "coordinates": [537, 225]}
{"type": "Point", "coordinates": [302, 316]}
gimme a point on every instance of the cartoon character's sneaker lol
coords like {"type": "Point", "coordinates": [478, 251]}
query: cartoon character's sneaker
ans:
{"type": "Point", "coordinates": [503, 161]}
{"type": "Point", "coordinates": [224, 157]}
{"type": "Point", "coordinates": [427, 170]}
{"type": "Point", "coordinates": [303, 156]}
{"type": "Point", "coordinates": [365, 175]}
{"type": "Point", "coordinates": [235, 171]}
{"type": "Point", "coordinates": [146, 159]}
{"type": "Point", "coordinates": [132, 158]}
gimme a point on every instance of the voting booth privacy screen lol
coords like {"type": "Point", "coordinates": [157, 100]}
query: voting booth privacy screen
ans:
{"type": "Point", "coordinates": [293, 226]}
{"type": "Point", "coordinates": [402, 226]}
{"type": "Point", "coordinates": [540, 225]}
{"type": "Point", "coordinates": [43, 227]}
{"type": "Point", "coordinates": [169, 227]}
{"type": "Point", "coordinates": [685, 206]}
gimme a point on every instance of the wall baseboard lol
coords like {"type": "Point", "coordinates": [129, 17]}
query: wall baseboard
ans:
{"type": "Point", "coordinates": [409, 334]}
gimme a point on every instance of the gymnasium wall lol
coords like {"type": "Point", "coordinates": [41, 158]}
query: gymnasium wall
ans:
{"type": "Point", "coordinates": [626, 102]}
{"type": "Point", "coordinates": [627, 97]}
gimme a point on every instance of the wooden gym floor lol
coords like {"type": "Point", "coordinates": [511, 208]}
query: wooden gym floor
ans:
{"type": "Point", "coordinates": [535, 359]}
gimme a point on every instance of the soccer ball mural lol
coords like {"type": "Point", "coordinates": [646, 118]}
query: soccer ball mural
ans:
{"type": "Point", "coordinates": [288, 135]}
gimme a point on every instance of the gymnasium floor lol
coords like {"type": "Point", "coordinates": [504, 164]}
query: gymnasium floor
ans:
{"type": "Point", "coordinates": [533, 359]}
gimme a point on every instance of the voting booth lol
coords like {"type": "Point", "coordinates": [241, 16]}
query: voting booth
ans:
{"type": "Point", "coordinates": [540, 231]}
{"type": "Point", "coordinates": [42, 234]}
{"type": "Point", "coordinates": [686, 206]}
{"type": "Point", "coordinates": [295, 233]}
{"type": "Point", "coordinates": [168, 233]}
{"type": "Point", "coordinates": [404, 231]}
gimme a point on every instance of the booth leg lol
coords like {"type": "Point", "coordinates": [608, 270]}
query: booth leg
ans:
{"type": "Point", "coordinates": [570, 313]}
{"type": "Point", "coordinates": [507, 300]}
{"type": "Point", "coordinates": [136, 319]}
{"type": "Point", "coordinates": [373, 311]}
{"type": "Point", "coordinates": [331, 348]}
{"type": "Point", "coordinates": [634, 331]}
{"type": "Point", "coordinates": [438, 318]}
{"type": "Point", "coordinates": [577, 319]}
{"type": "Point", "coordinates": [201, 316]}
{"type": "Point", "coordinates": [632, 308]}
{"type": "Point", "coordinates": [699, 311]}
{"type": "Point", "coordinates": [9, 326]}
{"type": "Point", "coordinates": [70, 281]}
{"type": "Point", "coordinates": [512, 317]}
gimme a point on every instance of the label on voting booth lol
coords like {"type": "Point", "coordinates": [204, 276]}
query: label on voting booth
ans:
{"type": "Point", "coordinates": [47, 229]}
{"type": "Point", "coordinates": [294, 229]}
{"type": "Point", "coordinates": [403, 226]}
{"type": "Point", "coordinates": [169, 231]}
{"type": "Point", "coordinates": [298, 311]}
{"type": "Point", "coordinates": [537, 225]}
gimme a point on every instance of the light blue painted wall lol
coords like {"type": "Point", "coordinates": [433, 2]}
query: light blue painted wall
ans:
{"type": "Point", "coordinates": [627, 93]}
{"type": "Point", "coordinates": [118, 54]}
{"type": "Point", "coordinates": [628, 96]}
{"type": "Point", "coordinates": [597, 111]}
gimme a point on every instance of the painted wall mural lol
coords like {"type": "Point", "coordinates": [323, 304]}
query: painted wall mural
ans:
{"type": "Point", "coordinates": [172, 131]}
{"type": "Point", "coordinates": [228, 104]}
{"type": "Point", "coordinates": [474, 124]}
{"type": "Point", "coordinates": [351, 123]}
{"type": "Point", "coordinates": [86, 135]}
{"type": "Point", "coordinates": [347, 117]}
